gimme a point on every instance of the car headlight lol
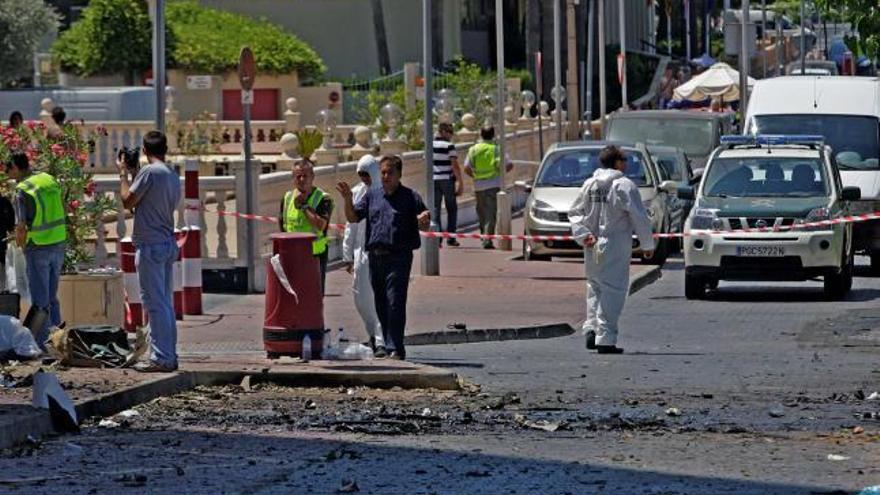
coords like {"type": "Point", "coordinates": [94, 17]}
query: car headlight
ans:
{"type": "Point", "coordinates": [815, 215]}
{"type": "Point", "coordinates": [706, 219]}
{"type": "Point", "coordinates": [544, 211]}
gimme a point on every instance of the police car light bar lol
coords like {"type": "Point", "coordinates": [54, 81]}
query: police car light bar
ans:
{"type": "Point", "coordinates": [773, 140]}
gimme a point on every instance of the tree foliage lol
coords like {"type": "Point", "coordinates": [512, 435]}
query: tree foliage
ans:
{"type": "Point", "coordinates": [864, 15]}
{"type": "Point", "coordinates": [210, 41]}
{"type": "Point", "coordinates": [114, 36]}
{"type": "Point", "coordinates": [23, 23]}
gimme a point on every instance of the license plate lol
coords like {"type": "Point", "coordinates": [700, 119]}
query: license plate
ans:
{"type": "Point", "coordinates": [760, 251]}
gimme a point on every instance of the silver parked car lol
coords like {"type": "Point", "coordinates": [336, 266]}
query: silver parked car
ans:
{"type": "Point", "coordinates": [562, 173]}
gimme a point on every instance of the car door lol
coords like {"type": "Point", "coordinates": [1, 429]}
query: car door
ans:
{"type": "Point", "coordinates": [671, 204]}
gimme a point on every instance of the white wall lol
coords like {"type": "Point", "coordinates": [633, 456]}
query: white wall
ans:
{"type": "Point", "coordinates": [342, 33]}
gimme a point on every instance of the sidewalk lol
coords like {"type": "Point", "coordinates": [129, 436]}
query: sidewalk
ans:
{"type": "Point", "coordinates": [481, 288]}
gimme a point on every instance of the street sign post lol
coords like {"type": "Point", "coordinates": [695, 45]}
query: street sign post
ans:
{"type": "Point", "coordinates": [247, 72]}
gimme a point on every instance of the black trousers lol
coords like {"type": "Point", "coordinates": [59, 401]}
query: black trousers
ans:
{"type": "Point", "coordinates": [444, 191]}
{"type": "Point", "coordinates": [389, 276]}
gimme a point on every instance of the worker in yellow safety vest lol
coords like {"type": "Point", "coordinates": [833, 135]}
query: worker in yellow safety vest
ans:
{"type": "Point", "coordinates": [41, 231]}
{"type": "Point", "coordinates": [307, 209]}
{"type": "Point", "coordinates": [483, 164]}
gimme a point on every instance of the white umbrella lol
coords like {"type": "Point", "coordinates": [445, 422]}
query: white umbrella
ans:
{"type": "Point", "coordinates": [719, 81]}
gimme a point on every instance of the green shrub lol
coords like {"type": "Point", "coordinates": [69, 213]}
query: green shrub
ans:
{"type": "Point", "coordinates": [114, 36]}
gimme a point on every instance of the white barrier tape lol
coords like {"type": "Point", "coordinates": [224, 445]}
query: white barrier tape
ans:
{"type": "Point", "coordinates": [275, 261]}
{"type": "Point", "coordinates": [521, 237]}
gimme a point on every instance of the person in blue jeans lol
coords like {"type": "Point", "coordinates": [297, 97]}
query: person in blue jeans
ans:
{"type": "Point", "coordinates": [154, 196]}
{"type": "Point", "coordinates": [41, 231]}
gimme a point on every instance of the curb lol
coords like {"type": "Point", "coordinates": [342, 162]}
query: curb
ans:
{"type": "Point", "coordinates": [38, 423]}
{"type": "Point", "coordinates": [550, 331]}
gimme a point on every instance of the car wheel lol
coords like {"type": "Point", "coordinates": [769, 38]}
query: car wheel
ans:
{"type": "Point", "coordinates": [529, 255]}
{"type": "Point", "coordinates": [875, 263]}
{"type": "Point", "coordinates": [694, 287]}
{"type": "Point", "coordinates": [838, 285]}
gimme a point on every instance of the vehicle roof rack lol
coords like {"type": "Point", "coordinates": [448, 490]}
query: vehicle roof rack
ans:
{"type": "Point", "coordinates": [762, 140]}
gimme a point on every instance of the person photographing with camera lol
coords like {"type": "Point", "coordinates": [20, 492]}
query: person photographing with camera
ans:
{"type": "Point", "coordinates": [153, 195]}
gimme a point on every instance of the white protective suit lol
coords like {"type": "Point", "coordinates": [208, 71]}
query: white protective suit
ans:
{"type": "Point", "coordinates": [353, 252]}
{"type": "Point", "coordinates": [609, 208]}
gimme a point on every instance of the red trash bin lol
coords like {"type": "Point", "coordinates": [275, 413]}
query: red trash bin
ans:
{"type": "Point", "coordinates": [296, 308]}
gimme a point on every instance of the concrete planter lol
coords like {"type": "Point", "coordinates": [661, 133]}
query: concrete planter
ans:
{"type": "Point", "coordinates": [92, 299]}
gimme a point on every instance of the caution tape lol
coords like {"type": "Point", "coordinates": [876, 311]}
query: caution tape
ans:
{"type": "Point", "coordinates": [522, 237]}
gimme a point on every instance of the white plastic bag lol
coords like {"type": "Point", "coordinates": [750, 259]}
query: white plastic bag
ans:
{"type": "Point", "coordinates": [16, 272]}
{"type": "Point", "coordinates": [15, 337]}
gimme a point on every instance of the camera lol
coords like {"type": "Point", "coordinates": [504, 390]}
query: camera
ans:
{"type": "Point", "coordinates": [131, 157]}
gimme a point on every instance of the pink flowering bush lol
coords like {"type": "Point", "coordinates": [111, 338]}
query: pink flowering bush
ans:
{"type": "Point", "coordinates": [64, 156]}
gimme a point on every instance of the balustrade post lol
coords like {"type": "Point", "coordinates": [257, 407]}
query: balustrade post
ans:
{"type": "Point", "coordinates": [292, 117]}
{"type": "Point", "coordinates": [46, 107]}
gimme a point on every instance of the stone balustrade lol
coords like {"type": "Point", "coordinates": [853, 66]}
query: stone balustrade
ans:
{"type": "Point", "coordinates": [224, 237]}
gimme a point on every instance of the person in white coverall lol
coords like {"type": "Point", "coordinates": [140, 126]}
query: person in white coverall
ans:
{"type": "Point", "coordinates": [606, 213]}
{"type": "Point", "coordinates": [356, 257]}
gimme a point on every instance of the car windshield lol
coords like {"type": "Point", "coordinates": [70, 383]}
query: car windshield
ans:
{"type": "Point", "coordinates": [766, 177]}
{"type": "Point", "coordinates": [855, 139]}
{"type": "Point", "coordinates": [670, 165]}
{"type": "Point", "coordinates": [570, 168]}
{"type": "Point", "coordinates": [694, 136]}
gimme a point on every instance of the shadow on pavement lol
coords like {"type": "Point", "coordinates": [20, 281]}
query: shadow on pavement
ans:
{"type": "Point", "coordinates": [208, 462]}
{"type": "Point", "coordinates": [758, 294]}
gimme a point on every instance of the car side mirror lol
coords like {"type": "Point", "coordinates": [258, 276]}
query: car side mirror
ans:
{"type": "Point", "coordinates": [851, 193]}
{"type": "Point", "coordinates": [521, 184]}
{"type": "Point", "coordinates": [686, 193]}
{"type": "Point", "coordinates": [670, 186]}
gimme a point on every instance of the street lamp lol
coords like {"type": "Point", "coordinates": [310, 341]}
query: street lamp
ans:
{"type": "Point", "coordinates": [325, 121]}
{"type": "Point", "coordinates": [557, 94]}
{"type": "Point", "coordinates": [391, 118]}
{"type": "Point", "coordinates": [528, 101]}
{"type": "Point", "coordinates": [444, 109]}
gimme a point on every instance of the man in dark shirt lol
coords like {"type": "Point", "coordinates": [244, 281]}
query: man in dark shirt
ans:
{"type": "Point", "coordinates": [394, 214]}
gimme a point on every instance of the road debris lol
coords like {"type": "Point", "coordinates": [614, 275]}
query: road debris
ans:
{"type": "Point", "coordinates": [349, 487]}
{"type": "Point", "coordinates": [777, 413]}
{"type": "Point", "coordinates": [673, 411]}
{"type": "Point", "coordinates": [837, 457]}
{"type": "Point", "coordinates": [873, 396]}
{"type": "Point", "coordinates": [108, 423]}
{"type": "Point", "coordinates": [246, 383]}
{"type": "Point", "coordinates": [128, 414]}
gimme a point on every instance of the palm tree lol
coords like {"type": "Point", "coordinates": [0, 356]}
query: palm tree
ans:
{"type": "Point", "coordinates": [381, 37]}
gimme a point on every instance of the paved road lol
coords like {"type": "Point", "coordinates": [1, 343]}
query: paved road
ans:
{"type": "Point", "coordinates": [749, 392]}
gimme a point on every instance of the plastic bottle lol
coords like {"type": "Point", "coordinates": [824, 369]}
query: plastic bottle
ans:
{"type": "Point", "coordinates": [307, 348]}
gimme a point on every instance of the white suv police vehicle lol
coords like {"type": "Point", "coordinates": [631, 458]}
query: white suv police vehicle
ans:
{"type": "Point", "coordinates": [756, 212]}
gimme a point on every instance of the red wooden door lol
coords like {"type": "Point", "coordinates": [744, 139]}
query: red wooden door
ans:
{"type": "Point", "coordinates": [265, 106]}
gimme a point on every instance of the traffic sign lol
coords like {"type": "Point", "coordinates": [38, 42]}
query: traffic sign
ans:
{"type": "Point", "coordinates": [247, 69]}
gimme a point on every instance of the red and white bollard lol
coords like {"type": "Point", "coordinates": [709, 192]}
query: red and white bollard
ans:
{"type": "Point", "coordinates": [192, 244]}
{"type": "Point", "coordinates": [192, 272]}
{"type": "Point", "coordinates": [134, 317]}
{"type": "Point", "coordinates": [177, 277]}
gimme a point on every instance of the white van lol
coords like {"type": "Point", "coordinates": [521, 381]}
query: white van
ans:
{"type": "Point", "coordinates": [846, 111]}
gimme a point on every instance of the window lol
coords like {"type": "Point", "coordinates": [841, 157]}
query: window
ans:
{"type": "Point", "coordinates": [855, 139]}
{"type": "Point", "coordinates": [572, 168]}
{"type": "Point", "coordinates": [695, 136]}
{"type": "Point", "coordinates": [767, 177]}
